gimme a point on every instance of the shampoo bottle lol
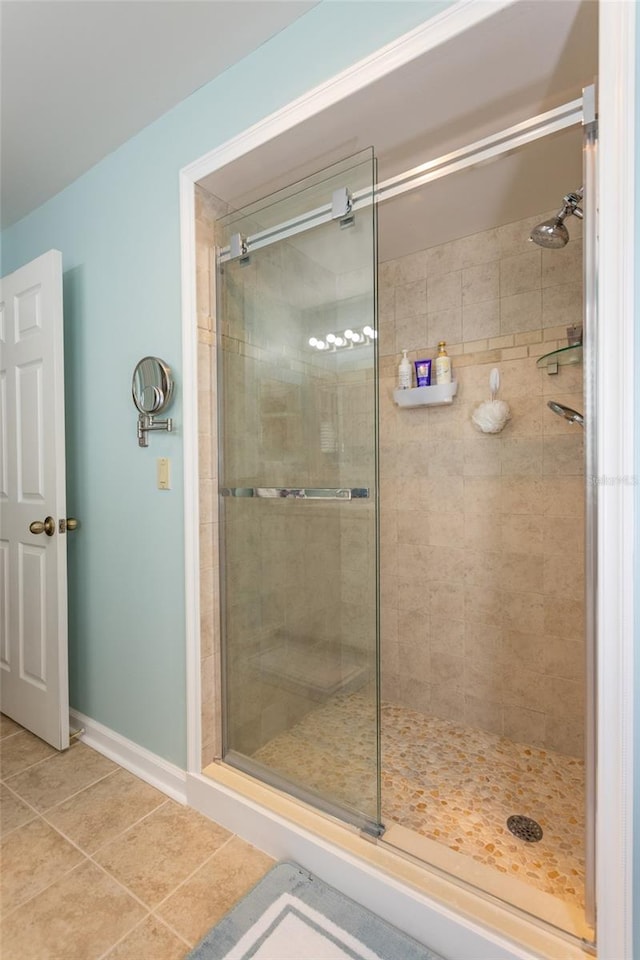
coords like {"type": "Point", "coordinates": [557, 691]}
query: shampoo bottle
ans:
{"type": "Point", "coordinates": [443, 364]}
{"type": "Point", "coordinates": [404, 372]}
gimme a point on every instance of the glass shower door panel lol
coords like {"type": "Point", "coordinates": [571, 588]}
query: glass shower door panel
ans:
{"type": "Point", "coordinates": [298, 499]}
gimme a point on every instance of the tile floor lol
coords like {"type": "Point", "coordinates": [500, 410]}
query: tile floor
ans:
{"type": "Point", "coordinates": [450, 783]}
{"type": "Point", "coordinates": [98, 865]}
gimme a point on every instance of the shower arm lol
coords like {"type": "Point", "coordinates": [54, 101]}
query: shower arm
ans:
{"type": "Point", "coordinates": [571, 205]}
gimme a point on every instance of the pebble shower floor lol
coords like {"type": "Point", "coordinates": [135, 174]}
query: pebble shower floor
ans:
{"type": "Point", "coordinates": [452, 784]}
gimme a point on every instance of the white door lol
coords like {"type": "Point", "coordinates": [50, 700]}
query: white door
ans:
{"type": "Point", "coordinates": [33, 566]}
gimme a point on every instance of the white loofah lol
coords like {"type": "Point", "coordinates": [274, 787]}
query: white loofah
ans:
{"type": "Point", "coordinates": [491, 416]}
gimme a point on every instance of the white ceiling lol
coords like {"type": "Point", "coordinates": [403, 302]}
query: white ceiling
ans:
{"type": "Point", "coordinates": [80, 78]}
{"type": "Point", "coordinates": [526, 59]}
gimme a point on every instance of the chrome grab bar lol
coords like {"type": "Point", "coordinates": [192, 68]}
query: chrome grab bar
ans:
{"type": "Point", "coordinates": [298, 493]}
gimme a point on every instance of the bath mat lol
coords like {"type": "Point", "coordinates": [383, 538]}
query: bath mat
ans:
{"type": "Point", "coordinates": [292, 915]}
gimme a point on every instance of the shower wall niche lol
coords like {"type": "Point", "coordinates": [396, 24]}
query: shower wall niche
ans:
{"type": "Point", "coordinates": [482, 536]}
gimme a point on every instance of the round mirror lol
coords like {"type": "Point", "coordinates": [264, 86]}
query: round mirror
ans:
{"type": "Point", "coordinates": [152, 385]}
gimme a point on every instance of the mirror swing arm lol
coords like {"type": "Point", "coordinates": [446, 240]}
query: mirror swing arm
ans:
{"type": "Point", "coordinates": [152, 391]}
{"type": "Point", "coordinates": [146, 422]}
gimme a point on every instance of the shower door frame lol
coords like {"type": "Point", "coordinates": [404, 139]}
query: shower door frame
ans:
{"type": "Point", "coordinates": [615, 451]}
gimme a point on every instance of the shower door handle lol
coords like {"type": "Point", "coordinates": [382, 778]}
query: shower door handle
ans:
{"type": "Point", "coordinates": [298, 493]}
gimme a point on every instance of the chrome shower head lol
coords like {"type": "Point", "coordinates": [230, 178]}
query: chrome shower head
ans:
{"type": "Point", "coordinates": [571, 415]}
{"type": "Point", "coordinates": [552, 233]}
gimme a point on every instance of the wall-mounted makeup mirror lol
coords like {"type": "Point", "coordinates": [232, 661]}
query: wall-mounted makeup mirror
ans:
{"type": "Point", "coordinates": [152, 391]}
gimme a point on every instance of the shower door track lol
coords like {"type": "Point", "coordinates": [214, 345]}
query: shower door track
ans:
{"type": "Point", "coordinates": [568, 115]}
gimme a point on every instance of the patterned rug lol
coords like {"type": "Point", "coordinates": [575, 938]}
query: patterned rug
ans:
{"type": "Point", "coordinates": [292, 915]}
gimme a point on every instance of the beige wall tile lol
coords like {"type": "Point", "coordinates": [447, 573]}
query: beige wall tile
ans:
{"type": "Point", "coordinates": [563, 456]}
{"type": "Point", "coordinates": [523, 495]}
{"type": "Point", "coordinates": [481, 319]}
{"type": "Point", "coordinates": [483, 457]}
{"type": "Point", "coordinates": [522, 457]}
{"type": "Point", "coordinates": [522, 649]}
{"type": "Point", "coordinates": [480, 283]}
{"type": "Point", "coordinates": [562, 579]}
{"type": "Point", "coordinates": [482, 567]}
{"type": "Point", "coordinates": [482, 605]}
{"type": "Point", "coordinates": [410, 299]}
{"type": "Point", "coordinates": [447, 636]}
{"type": "Point", "coordinates": [445, 600]}
{"type": "Point", "coordinates": [444, 325]}
{"type": "Point", "coordinates": [565, 659]}
{"type": "Point", "coordinates": [415, 693]}
{"type": "Point", "coordinates": [481, 532]}
{"type": "Point", "coordinates": [445, 458]}
{"type": "Point", "coordinates": [522, 572]}
{"type": "Point", "coordinates": [562, 305]}
{"type": "Point", "coordinates": [411, 334]}
{"type": "Point", "coordinates": [520, 273]}
{"type": "Point", "coordinates": [521, 311]}
{"type": "Point", "coordinates": [444, 292]}
{"type": "Point", "coordinates": [523, 533]}
{"type": "Point", "coordinates": [525, 726]}
{"type": "Point", "coordinates": [562, 266]}
{"type": "Point", "coordinates": [483, 713]}
{"type": "Point", "coordinates": [523, 608]}
{"type": "Point", "coordinates": [564, 617]}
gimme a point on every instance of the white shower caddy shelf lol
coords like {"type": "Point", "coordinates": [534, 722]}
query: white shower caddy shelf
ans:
{"type": "Point", "coordinates": [437, 395]}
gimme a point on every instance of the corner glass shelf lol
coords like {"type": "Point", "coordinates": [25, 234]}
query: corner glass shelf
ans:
{"type": "Point", "coordinates": [559, 358]}
{"type": "Point", "coordinates": [436, 395]}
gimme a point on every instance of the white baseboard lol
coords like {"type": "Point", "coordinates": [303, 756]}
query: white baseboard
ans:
{"type": "Point", "coordinates": [148, 766]}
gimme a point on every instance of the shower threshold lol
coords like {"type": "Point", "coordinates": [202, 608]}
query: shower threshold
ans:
{"type": "Point", "coordinates": [415, 884]}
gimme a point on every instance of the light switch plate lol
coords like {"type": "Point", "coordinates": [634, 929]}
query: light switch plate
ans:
{"type": "Point", "coordinates": [163, 465]}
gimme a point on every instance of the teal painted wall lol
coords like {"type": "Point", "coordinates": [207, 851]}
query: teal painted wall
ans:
{"type": "Point", "coordinates": [118, 230]}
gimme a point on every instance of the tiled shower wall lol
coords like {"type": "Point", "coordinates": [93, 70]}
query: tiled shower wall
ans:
{"type": "Point", "coordinates": [482, 535]}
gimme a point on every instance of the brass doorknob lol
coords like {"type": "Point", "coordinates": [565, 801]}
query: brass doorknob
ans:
{"type": "Point", "coordinates": [72, 524]}
{"type": "Point", "coordinates": [47, 526]}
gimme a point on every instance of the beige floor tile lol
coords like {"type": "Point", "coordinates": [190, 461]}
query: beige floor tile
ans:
{"type": "Point", "coordinates": [104, 810]}
{"type": "Point", "coordinates": [8, 726]}
{"type": "Point", "coordinates": [61, 776]}
{"type": "Point", "coordinates": [13, 812]}
{"type": "Point", "coordinates": [151, 940]}
{"type": "Point", "coordinates": [33, 856]}
{"type": "Point", "coordinates": [206, 896]}
{"type": "Point", "coordinates": [22, 751]}
{"type": "Point", "coordinates": [78, 918]}
{"type": "Point", "coordinates": [158, 853]}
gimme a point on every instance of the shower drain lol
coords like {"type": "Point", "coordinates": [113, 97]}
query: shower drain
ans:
{"type": "Point", "coordinates": [525, 828]}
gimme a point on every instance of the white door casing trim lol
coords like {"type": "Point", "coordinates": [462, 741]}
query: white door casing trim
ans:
{"type": "Point", "coordinates": [616, 490]}
{"type": "Point", "coordinates": [615, 408]}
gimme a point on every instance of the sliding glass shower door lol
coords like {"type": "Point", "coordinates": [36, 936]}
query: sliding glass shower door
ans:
{"type": "Point", "coordinates": [298, 494]}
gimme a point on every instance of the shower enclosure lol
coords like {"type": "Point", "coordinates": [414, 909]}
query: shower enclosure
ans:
{"type": "Point", "coordinates": [298, 503]}
{"type": "Point", "coordinates": [480, 550]}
